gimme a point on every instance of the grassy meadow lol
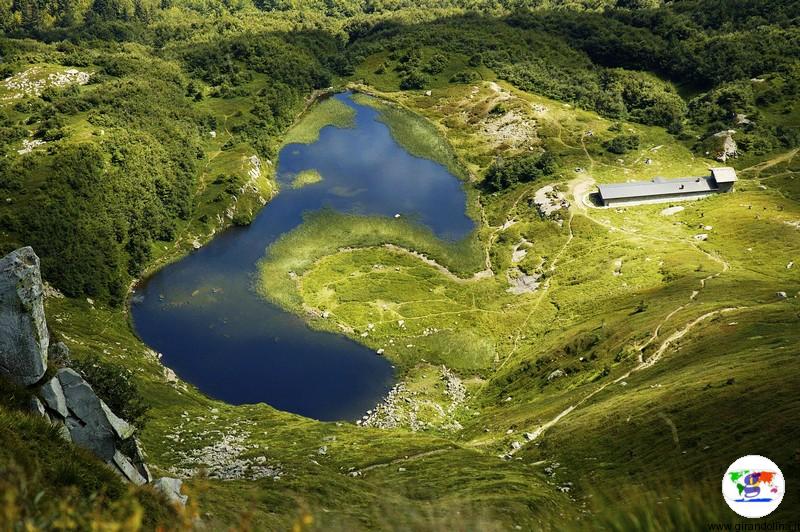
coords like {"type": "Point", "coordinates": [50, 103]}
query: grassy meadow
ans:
{"type": "Point", "coordinates": [648, 351]}
{"type": "Point", "coordinates": [633, 312]}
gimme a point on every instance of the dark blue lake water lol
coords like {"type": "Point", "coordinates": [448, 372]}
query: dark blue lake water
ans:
{"type": "Point", "coordinates": [215, 332]}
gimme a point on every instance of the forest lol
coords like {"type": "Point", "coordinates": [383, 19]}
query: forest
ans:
{"type": "Point", "coordinates": [95, 207]}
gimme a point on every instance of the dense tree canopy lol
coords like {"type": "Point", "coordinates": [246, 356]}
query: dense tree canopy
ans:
{"type": "Point", "coordinates": [124, 155]}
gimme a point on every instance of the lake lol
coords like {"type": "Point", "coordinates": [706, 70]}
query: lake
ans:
{"type": "Point", "coordinates": [203, 315]}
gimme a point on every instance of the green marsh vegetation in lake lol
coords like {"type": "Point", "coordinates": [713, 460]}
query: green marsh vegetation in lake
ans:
{"type": "Point", "coordinates": [418, 136]}
{"type": "Point", "coordinates": [305, 178]}
{"type": "Point", "coordinates": [325, 112]}
{"type": "Point", "coordinates": [325, 232]}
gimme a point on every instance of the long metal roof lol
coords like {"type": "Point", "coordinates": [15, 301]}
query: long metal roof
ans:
{"type": "Point", "coordinates": [724, 174]}
{"type": "Point", "coordinates": [657, 187]}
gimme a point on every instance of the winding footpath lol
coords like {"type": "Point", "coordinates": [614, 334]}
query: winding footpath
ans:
{"type": "Point", "coordinates": [579, 188]}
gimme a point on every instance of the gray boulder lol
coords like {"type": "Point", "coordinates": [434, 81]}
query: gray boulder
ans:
{"type": "Point", "coordinates": [23, 331]}
{"type": "Point", "coordinates": [37, 408]}
{"type": "Point", "coordinates": [171, 487]}
{"type": "Point", "coordinates": [138, 460]}
{"type": "Point", "coordinates": [122, 428]}
{"type": "Point", "coordinates": [54, 398]}
{"type": "Point", "coordinates": [127, 469]}
{"type": "Point", "coordinates": [93, 426]}
{"type": "Point", "coordinates": [89, 424]}
{"type": "Point", "coordinates": [59, 354]}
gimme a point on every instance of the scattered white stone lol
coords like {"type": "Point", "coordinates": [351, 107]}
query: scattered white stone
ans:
{"type": "Point", "coordinates": [170, 375]}
{"type": "Point", "coordinates": [29, 145]}
{"type": "Point", "coordinates": [255, 167]}
{"type": "Point", "coordinates": [701, 237]}
{"type": "Point", "coordinates": [669, 211]}
{"type": "Point", "coordinates": [520, 283]}
{"type": "Point", "coordinates": [401, 406]}
{"type": "Point", "coordinates": [782, 295]}
{"type": "Point", "coordinates": [32, 82]}
{"type": "Point", "coordinates": [230, 457]}
{"type": "Point", "coordinates": [550, 201]}
{"type": "Point", "coordinates": [617, 268]}
{"type": "Point", "coordinates": [795, 224]}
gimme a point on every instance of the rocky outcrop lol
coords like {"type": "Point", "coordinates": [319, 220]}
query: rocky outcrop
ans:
{"type": "Point", "coordinates": [722, 145]}
{"type": "Point", "coordinates": [53, 395]}
{"type": "Point", "coordinates": [66, 399]}
{"type": "Point", "coordinates": [23, 331]}
{"type": "Point", "coordinates": [550, 202]}
{"type": "Point", "coordinates": [69, 402]}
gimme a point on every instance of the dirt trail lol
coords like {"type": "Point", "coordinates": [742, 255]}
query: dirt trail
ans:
{"type": "Point", "coordinates": [477, 276]}
{"type": "Point", "coordinates": [579, 186]}
{"type": "Point", "coordinates": [652, 360]}
{"type": "Point", "coordinates": [760, 167]}
{"type": "Point", "coordinates": [359, 472]}
{"type": "Point", "coordinates": [542, 292]}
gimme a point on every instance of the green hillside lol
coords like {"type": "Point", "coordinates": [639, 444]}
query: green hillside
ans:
{"type": "Point", "coordinates": [610, 390]}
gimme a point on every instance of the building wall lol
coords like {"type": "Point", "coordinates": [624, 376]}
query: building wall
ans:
{"type": "Point", "coordinates": [646, 200]}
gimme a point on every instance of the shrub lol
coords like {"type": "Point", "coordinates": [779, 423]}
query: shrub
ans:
{"type": "Point", "coordinates": [622, 144]}
{"type": "Point", "coordinates": [436, 64]}
{"type": "Point", "coordinates": [506, 173]}
{"type": "Point", "coordinates": [465, 77]}
{"type": "Point", "coordinates": [413, 80]}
